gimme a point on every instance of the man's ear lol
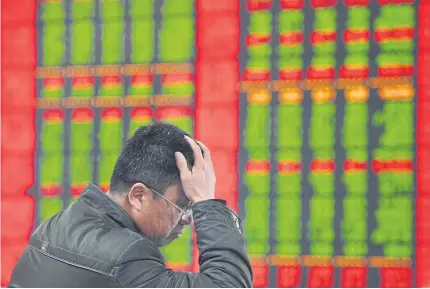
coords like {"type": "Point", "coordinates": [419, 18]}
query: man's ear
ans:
{"type": "Point", "coordinates": [138, 195]}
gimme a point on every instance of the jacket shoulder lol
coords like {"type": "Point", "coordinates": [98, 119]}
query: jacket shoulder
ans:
{"type": "Point", "coordinates": [82, 238]}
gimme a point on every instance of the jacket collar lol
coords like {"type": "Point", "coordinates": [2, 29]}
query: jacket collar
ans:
{"type": "Point", "coordinates": [106, 207]}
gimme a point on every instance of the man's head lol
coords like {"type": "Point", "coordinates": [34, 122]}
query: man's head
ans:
{"type": "Point", "coordinates": [146, 181]}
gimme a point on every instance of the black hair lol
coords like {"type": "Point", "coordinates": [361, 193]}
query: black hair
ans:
{"type": "Point", "coordinates": [149, 157]}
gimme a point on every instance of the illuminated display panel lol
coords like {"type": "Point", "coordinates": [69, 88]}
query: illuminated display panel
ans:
{"type": "Point", "coordinates": [317, 101]}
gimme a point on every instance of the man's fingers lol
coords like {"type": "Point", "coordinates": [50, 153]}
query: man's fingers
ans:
{"type": "Point", "coordinates": [181, 163]}
{"type": "Point", "coordinates": [206, 152]}
{"type": "Point", "coordinates": [198, 157]}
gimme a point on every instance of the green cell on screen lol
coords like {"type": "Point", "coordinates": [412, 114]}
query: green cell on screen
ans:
{"type": "Point", "coordinates": [53, 33]}
{"type": "Point", "coordinates": [390, 184]}
{"type": "Point", "coordinates": [289, 214]}
{"type": "Point", "coordinates": [178, 7]}
{"type": "Point", "coordinates": [258, 183]}
{"type": "Point", "coordinates": [325, 19]}
{"type": "Point", "coordinates": [356, 183]}
{"type": "Point", "coordinates": [355, 249]}
{"type": "Point", "coordinates": [355, 125]}
{"type": "Point", "coordinates": [321, 249]}
{"type": "Point", "coordinates": [81, 167]}
{"type": "Point", "coordinates": [185, 123]}
{"type": "Point", "coordinates": [83, 47]}
{"type": "Point", "coordinates": [256, 221]}
{"type": "Point", "coordinates": [322, 130]}
{"type": "Point", "coordinates": [112, 41]}
{"type": "Point", "coordinates": [290, 129]}
{"type": "Point", "coordinates": [82, 134]}
{"type": "Point", "coordinates": [178, 89]}
{"type": "Point", "coordinates": [358, 18]}
{"type": "Point", "coordinates": [53, 11]}
{"type": "Point", "coordinates": [54, 47]}
{"type": "Point", "coordinates": [180, 250]}
{"type": "Point", "coordinates": [136, 123]}
{"type": "Point", "coordinates": [51, 168]}
{"type": "Point", "coordinates": [291, 21]}
{"type": "Point", "coordinates": [49, 206]}
{"type": "Point", "coordinates": [288, 248]}
{"type": "Point", "coordinates": [52, 136]}
{"type": "Point", "coordinates": [398, 120]}
{"type": "Point", "coordinates": [257, 130]}
{"type": "Point", "coordinates": [107, 161]}
{"type": "Point", "coordinates": [354, 222]}
{"type": "Point", "coordinates": [395, 226]}
{"type": "Point", "coordinates": [139, 8]}
{"type": "Point", "coordinates": [289, 186]}
{"type": "Point", "coordinates": [142, 40]}
{"type": "Point", "coordinates": [260, 25]}
{"type": "Point", "coordinates": [110, 135]}
{"type": "Point", "coordinates": [176, 39]}
{"type": "Point", "coordinates": [321, 230]}
{"type": "Point", "coordinates": [111, 9]}
{"type": "Point", "coordinates": [322, 207]}
{"type": "Point", "coordinates": [290, 62]}
{"type": "Point", "coordinates": [260, 63]}
{"type": "Point", "coordinates": [323, 183]}
{"type": "Point", "coordinates": [257, 247]}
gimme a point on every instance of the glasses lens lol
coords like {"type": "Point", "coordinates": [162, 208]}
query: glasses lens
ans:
{"type": "Point", "coordinates": [188, 214]}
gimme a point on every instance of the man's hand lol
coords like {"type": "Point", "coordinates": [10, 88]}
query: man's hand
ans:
{"type": "Point", "coordinates": [199, 183]}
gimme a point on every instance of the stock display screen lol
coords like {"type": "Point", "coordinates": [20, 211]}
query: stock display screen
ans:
{"type": "Point", "coordinates": [309, 108]}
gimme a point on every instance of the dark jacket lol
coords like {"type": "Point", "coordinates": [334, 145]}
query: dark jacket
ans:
{"type": "Point", "coordinates": [94, 243]}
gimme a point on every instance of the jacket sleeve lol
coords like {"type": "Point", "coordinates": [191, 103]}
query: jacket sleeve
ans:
{"type": "Point", "coordinates": [223, 259]}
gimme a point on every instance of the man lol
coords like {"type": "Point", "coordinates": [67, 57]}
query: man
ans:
{"type": "Point", "coordinates": [161, 180]}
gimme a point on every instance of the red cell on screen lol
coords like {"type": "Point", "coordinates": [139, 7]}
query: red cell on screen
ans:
{"type": "Point", "coordinates": [141, 113]}
{"type": "Point", "coordinates": [218, 126]}
{"type": "Point", "coordinates": [17, 217]}
{"type": "Point", "coordinates": [258, 5]}
{"type": "Point", "coordinates": [218, 37]}
{"type": "Point", "coordinates": [10, 254]}
{"type": "Point", "coordinates": [387, 2]}
{"type": "Point", "coordinates": [112, 113]}
{"type": "Point", "coordinates": [76, 190]}
{"type": "Point", "coordinates": [217, 82]}
{"type": "Point", "coordinates": [15, 11]}
{"type": "Point", "coordinates": [82, 115]}
{"type": "Point", "coordinates": [423, 183]}
{"type": "Point", "coordinates": [353, 277]}
{"type": "Point", "coordinates": [289, 276]}
{"type": "Point", "coordinates": [16, 167]}
{"type": "Point", "coordinates": [323, 3]}
{"type": "Point", "coordinates": [350, 3]}
{"type": "Point", "coordinates": [220, 6]}
{"type": "Point", "coordinates": [20, 48]}
{"type": "Point", "coordinates": [18, 91]}
{"type": "Point", "coordinates": [422, 263]}
{"type": "Point", "coordinates": [320, 277]}
{"type": "Point", "coordinates": [261, 275]}
{"type": "Point", "coordinates": [172, 112]}
{"type": "Point", "coordinates": [395, 277]}
{"type": "Point", "coordinates": [226, 186]}
{"type": "Point", "coordinates": [292, 4]}
{"type": "Point", "coordinates": [423, 161]}
{"type": "Point", "coordinates": [18, 131]}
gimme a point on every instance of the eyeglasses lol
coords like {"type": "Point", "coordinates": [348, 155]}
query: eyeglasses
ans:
{"type": "Point", "coordinates": [186, 214]}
